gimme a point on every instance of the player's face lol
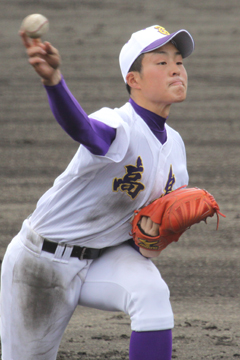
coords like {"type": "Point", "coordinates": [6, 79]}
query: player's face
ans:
{"type": "Point", "coordinates": [163, 78]}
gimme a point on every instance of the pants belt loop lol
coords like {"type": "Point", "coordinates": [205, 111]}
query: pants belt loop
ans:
{"type": "Point", "coordinates": [59, 251]}
{"type": "Point", "coordinates": [67, 253]}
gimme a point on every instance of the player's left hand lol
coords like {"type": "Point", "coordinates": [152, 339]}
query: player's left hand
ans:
{"type": "Point", "coordinates": [151, 228]}
{"type": "Point", "coordinates": [172, 214]}
{"type": "Point", "coordinates": [148, 226]}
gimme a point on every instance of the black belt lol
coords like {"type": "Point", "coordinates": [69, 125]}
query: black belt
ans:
{"type": "Point", "coordinates": [77, 251]}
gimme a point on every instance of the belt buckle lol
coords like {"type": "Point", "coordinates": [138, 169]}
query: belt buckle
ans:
{"type": "Point", "coordinates": [81, 257]}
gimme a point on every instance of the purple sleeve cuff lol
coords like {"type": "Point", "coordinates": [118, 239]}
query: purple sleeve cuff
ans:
{"type": "Point", "coordinates": [133, 245]}
{"type": "Point", "coordinates": [93, 134]}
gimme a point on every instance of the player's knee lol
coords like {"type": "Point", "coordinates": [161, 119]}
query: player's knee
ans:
{"type": "Point", "coordinates": [150, 308]}
{"type": "Point", "coordinates": [151, 295]}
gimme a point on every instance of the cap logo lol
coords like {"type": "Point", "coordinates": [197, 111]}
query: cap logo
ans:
{"type": "Point", "coordinates": [162, 30]}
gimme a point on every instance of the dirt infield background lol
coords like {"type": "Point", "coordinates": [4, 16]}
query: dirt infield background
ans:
{"type": "Point", "coordinates": [202, 270]}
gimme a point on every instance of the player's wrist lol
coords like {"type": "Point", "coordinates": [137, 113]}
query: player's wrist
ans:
{"type": "Point", "coordinates": [149, 253]}
{"type": "Point", "coordinates": [54, 79]}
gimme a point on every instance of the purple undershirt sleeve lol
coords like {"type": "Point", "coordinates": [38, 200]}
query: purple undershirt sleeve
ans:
{"type": "Point", "coordinates": [134, 246]}
{"type": "Point", "coordinates": [93, 134]}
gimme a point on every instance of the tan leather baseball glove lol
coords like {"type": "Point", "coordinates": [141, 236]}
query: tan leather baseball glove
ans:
{"type": "Point", "coordinates": [175, 213]}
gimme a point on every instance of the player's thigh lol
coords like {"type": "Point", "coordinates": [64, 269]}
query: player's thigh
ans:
{"type": "Point", "coordinates": [123, 280]}
{"type": "Point", "coordinates": [36, 304]}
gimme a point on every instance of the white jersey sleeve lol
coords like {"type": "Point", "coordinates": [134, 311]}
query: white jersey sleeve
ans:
{"type": "Point", "coordinates": [111, 118]}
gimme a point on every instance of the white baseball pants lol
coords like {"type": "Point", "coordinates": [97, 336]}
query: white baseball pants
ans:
{"type": "Point", "coordinates": [39, 292]}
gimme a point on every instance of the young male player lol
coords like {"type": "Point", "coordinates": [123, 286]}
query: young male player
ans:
{"type": "Point", "coordinates": [74, 248]}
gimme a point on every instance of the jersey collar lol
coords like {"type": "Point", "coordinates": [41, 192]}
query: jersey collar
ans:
{"type": "Point", "coordinates": [155, 122]}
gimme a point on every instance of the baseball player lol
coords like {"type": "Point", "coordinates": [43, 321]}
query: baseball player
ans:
{"type": "Point", "coordinates": [75, 248]}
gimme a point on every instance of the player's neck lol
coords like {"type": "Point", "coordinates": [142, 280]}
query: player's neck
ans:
{"type": "Point", "coordinates": [157, 108]}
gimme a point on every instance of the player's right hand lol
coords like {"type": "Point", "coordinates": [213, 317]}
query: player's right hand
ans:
{"type": "Point", "coordinates": [44, 58]}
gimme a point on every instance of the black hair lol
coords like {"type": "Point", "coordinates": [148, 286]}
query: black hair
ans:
{"type": "Point", "coordinates": [136, 66]}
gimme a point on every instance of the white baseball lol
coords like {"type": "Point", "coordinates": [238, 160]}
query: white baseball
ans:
{"type": "Point", "coordinates": [35, 25]}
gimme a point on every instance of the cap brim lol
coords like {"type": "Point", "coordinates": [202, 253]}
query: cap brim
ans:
{"type": "Point", "coordinates": [182, 39]}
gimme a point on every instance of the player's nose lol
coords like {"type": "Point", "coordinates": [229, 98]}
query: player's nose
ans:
{"type": "Point", "coordinates": [174, 70]}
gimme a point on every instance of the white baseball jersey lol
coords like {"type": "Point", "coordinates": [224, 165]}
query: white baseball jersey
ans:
{"type": "Point", "coordinates": [90, 204]}
{"type": "Point", "coordinates": [92, 201]}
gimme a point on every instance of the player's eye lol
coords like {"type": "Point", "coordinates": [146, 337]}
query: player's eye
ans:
{"type": "Point", "coordinates": [179, 63]}
{"type": "Point", "coordinates": [162, 63]}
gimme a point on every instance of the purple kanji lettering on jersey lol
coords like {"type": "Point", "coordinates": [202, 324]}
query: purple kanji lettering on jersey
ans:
{"type": "Point", "coordinates": [170, 182]}
{"type": "Point", "coordinates": [130, 182]}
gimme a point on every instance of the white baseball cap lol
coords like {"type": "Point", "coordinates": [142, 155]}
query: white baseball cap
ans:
{"type": "Point", "coordinates": [149, 39]}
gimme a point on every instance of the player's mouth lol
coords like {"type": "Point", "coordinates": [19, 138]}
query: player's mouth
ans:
{"type": "Point", "coordinates": [177, 83]}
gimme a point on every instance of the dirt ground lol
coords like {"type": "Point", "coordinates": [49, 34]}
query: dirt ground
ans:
{"type": "Point", "coordinates": [202, 270]}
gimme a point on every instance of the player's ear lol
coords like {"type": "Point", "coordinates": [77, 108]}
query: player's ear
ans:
{"type": "Point", "coordinates": [132, 79]}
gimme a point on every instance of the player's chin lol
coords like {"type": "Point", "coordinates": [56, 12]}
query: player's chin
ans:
{"type": "Point", "coordinates": [180, 99]}
{"type": "Point", "coordinates": [180, 95]}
